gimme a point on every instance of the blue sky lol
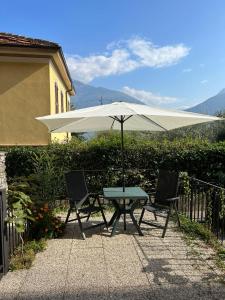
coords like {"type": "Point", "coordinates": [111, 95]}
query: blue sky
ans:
{"type": "Point", "coordinates": [170, 53]}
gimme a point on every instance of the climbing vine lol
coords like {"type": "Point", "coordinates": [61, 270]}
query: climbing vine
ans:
{"type": "Point", "coordinates": [222, 203]}
{"type": "Point", "coordinates": [186, 184]}
{"type": "Point", "coordinates": [209, 207]}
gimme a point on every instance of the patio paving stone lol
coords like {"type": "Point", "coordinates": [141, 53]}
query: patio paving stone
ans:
{"type": "Point", "coordinates": [125, 266]}
{"type": "Point", "coordinates": [11, 283]}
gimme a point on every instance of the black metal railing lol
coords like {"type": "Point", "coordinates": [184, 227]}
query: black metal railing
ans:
{"type": "Point", "coordinates": [4, 250]}
{"type": "Point", "coordinates": [14, 239]}
{"type": "Point", "coordinates": [9, 237]}
{"type": "Point", "coordinates": [203, 202]}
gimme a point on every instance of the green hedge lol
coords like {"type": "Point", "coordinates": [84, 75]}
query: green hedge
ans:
{"type": "Point", "coordinates": [199, 158]}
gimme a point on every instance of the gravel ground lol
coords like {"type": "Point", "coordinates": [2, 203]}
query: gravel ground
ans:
{"type": "Point", "coordinates": [126, 266]}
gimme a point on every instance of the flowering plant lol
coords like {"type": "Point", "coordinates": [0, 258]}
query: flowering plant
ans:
{"type": "Point", "coordinates": [45, 223]}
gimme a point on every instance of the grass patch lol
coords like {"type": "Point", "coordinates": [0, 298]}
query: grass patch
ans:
{"type": "Point", "coordinates": [63, 208]}
{"type": "Point", "coordinates": [24, 261]}
{"type": "Point", "coordinates": [194, 230]}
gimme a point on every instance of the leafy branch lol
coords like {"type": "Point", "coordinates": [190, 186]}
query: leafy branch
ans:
{"type": "Point", "coordinates": [19, 212]}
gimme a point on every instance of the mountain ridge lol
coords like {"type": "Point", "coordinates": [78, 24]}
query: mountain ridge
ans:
{"type": "Point", "coordinates": [210, 106]}
{"type": "Point", "coordinates": [87, 95]}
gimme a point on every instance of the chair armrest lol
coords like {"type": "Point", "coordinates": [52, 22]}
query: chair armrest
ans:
{"type": "Point", "coordinates": [172, 199]}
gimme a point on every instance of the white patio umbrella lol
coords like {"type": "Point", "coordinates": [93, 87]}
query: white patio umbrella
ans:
{"type": "Point", "coordinates": [122, 116]}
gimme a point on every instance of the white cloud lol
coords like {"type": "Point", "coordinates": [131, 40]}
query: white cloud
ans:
{"type": "Point", "coordinates": [124, 56]}
{"type": "Point", "coordinates": [188, 70]}
{"type": "Point", "coordinates": [204, 81]}
{"type": "Point", "coordinates": [148, 97]}
{"type": "Point", "coordinates": [154, 56]}
{"type": "Point", "coordinates": [88, 68]}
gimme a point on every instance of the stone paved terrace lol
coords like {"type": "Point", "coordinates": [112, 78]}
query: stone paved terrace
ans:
{"type": "Point", "coordinates": [125, 266]}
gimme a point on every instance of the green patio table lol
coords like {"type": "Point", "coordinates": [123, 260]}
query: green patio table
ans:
{"type": "Point", "coordinates": [118, 197]}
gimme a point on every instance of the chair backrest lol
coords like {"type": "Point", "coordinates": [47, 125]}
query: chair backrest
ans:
{"type": "Point", "coordinates": [167, 186]}
{"type": "Point", "coordinates": [76, 186]}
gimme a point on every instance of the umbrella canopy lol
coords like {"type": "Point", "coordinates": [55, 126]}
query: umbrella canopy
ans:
{"type": "Point", "coordinates": [122, 116]}
{"type": "Point", "coordinates": [109, 116]}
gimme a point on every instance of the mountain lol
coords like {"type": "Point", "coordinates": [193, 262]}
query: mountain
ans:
{"type": "Point", "coordinates": [87, 95]}
{"type": "Point", "coordinates": [212, 105]}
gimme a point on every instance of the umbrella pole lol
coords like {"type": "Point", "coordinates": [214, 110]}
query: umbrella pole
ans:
{"type": "Point", "coordinates": [122, 151]}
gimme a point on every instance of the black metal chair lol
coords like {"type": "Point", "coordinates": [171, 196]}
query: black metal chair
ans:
{"type": "Point", "coordinates": [165, 197]}
{"type": "Point", "coordinates": [80, 201]}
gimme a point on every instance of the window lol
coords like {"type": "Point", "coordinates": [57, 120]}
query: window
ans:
{"type": "Point", "coordinates": [62, 102]}
{"type": "Point", "coordinates": [56, 99]}
{"type": "Point", "coordinates": [67, 103]}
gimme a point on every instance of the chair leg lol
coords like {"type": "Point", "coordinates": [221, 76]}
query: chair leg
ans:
{"type": "Point", "coordinates": [141, 217]}
{"type": "Point", "coordinates": [68, 215]}
{"type": "Point", "coordinates": [88, 217]}
{"type": "Point", "coordinates": [155, 216]}
{"type": "Point", "coordinates": [166, 224]}
{"type": "Point", "coordinates": [80, 225]}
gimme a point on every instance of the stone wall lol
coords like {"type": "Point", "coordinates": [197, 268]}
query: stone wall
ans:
{"type": "Point", "coordinates": [3, 181]}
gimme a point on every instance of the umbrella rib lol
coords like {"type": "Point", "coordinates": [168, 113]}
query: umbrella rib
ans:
{"type": "Point", "coordinates": [113, 123]}
{"type": "Point", "coordinates": [115, 118]}
{"type": "Point", "coordinates": [128, 118]}
{"type": "Point", "coordinates": [56, 128]}
{"type": "Point", "coordinates": [153, 122]}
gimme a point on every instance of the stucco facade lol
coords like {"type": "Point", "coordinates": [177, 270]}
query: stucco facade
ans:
{"type": "Point", "coordinates": [28, 80]}
{"type": "Point", "coordinates": [63, 99]}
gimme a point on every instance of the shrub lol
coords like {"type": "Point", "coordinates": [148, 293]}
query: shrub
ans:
{"type": "Point", "coordinates": [45, 224]}
{"type": "Point", "coordinates": [23, 258]}
{"type": "Point", "coordinates": [199, 158]}
{"type": "Point", "coordinates": [40, 216]}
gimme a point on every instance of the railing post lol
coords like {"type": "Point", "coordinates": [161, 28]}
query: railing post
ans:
{"type": "Point", "coordinates": [191, 201]}
{"type": "Point", "coordinates": [215, 213]}
{"type": "Point", "coordinates": [4, 249]}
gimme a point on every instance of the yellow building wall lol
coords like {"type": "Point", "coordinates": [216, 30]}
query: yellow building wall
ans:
{"type": "Point", "coordinates": [24, 95]}
{"type": "Point", "coordinates": [56, 79]}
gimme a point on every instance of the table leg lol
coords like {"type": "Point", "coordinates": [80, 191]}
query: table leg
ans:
{"type": "Point", "coordinates": [135, 223]}
{"type": "Point", "coordinates": [115, 223]}
{"type": "Point", "coordinates": [117, 210]}
{"type": "Point", "coordinates": [113, 218]}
